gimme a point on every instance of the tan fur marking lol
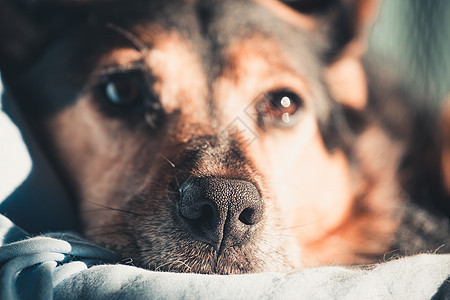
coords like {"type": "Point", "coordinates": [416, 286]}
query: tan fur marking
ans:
{"type": "Point", "coordinates": [367, 229]}
{"type": "Point", "coordinates": [180, 81]}
{"type": "Point", "coordinates": [312, 186]}
{"type": "Point", "coordinates": [347, 81]}
{"type": "Point", "coordinates": [122, 56]}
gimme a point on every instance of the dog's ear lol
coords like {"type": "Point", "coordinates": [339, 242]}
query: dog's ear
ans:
{"type": "Point", "coordinates": [344, 24]}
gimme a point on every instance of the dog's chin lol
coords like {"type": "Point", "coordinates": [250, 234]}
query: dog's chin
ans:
{"type": "Point", "coordinates": [206, 260]}
{"type": "Point", "coordinates": [184, 255]}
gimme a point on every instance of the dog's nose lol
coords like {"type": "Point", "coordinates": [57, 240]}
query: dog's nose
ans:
{"type": "Point", "coordinates": [220, 212]}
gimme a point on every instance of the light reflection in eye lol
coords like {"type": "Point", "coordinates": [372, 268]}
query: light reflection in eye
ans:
{"type": "Point", "coordinates": [285, 101]}
{"type": "Point", "coordinates": [286, 118]}
{"type": "Point", "coordinates": [112, 93]}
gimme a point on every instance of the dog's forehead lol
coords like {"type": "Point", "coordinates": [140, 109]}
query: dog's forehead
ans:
{"type": "Point", "coordinates": [229, 13]}
{"type": "Point", "coordinates": [214, 25]}
{"type": "Point", "coordinates": [212, 30]}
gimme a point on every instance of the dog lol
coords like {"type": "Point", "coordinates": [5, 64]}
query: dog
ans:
{"type": "Point", "coordinates": [224, 137]}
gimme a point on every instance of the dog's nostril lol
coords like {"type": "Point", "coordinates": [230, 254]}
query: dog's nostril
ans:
{"type": "Point", "coordinates": [194, 207]}
{"type": "Point", "coordinates": [202, 214]}
{"type": "Point", "coordinates": [206, 214]}
{"type": "Point", "coordinates": [248, 216]}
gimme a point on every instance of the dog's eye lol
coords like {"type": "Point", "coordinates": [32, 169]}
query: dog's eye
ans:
{"type": "Point", "coordinates": [280, 108]}
{"type": "Point", "coordinates": [123, 89]}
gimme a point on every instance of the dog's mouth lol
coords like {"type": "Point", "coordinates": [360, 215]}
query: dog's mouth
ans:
{"type": "Point", "coordinates": [193, 257]}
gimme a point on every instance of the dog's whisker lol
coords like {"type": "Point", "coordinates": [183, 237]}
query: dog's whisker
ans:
{"type": "Point", "coordinates": [438, 248]}
{"type": "Point", "coordinates": [166, 159]}
{"type": "Point", "coordinates": [127, 34]}
{"type": "Point", "coordinates": [118, 232]}
{"type": "Point", "coordinates": [115, 210]}
{"type": "Point", "coordinates": [108, 225]}
{"type": "Point", "coordinates": [172, 264]}
{"type": "Point", "coordinates": [178, 183]}
{"type": "Point", "coordinates": [282, 235]}
{"type": "Point", "coordinates": [127, 261]}
{"type": "Point", "coordinates": [159, 267]}
{"type": "Point", "coordinates": [119, 210]}
{"type": "Point", "coordinates": [301, 225]}
{"type": "Point", "coordinates": [183, 264]}
{"type": "Point", "coordinates": [94, 210]}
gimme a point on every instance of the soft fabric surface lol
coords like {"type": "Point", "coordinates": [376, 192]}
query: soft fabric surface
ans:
{"type": "Point", "coordinates": [64, 266]}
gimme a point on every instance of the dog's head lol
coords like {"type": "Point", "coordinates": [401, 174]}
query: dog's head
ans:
{"type": "Point", "coordinates": [198, 136]}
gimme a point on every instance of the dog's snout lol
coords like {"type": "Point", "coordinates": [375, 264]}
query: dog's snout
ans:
{"type": "Point", "coordinates": [220, 212]}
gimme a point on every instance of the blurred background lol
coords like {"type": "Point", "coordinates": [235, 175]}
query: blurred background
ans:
{"type": "Point", "coordinates": [412, 35]}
